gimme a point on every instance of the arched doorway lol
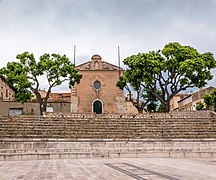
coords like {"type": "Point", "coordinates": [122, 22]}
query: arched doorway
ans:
{"type": "Point", "coordinates": [97, 107]}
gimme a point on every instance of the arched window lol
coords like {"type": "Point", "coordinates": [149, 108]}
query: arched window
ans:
{"type": "Point", "coordinates": [97, 106]}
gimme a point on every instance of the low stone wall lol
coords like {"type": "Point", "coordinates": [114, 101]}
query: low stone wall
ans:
{"type": "Point", "coordinates": [173, 114]}
{"type": "Point", "coordinates": [22, 149]}
{"type": "Point", "coordinates": [69, 115]}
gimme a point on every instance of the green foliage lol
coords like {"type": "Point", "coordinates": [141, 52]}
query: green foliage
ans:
{"type": "Point", "coordinates": [151, 107]}
{"type": "Point", "coordinates": [23, 75]}
{"type": "Point", "coordinates": [160, 108]}
{"type": "Point", "coordinates": [199, 106]}
{"type": "Point", "coordinates": [17, 77]}
{"type": "Point", "coordinates": [166, 72]}
{"type": "Point", "coordinates": [143, 98]}
{"type": "Point", "coordinates": [210, 99]}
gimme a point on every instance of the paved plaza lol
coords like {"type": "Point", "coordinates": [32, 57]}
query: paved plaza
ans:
{"type": "Point", "coordinates": [119, 169]}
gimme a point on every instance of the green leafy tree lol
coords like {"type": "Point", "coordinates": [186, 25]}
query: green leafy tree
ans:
{"type": "Point", "coordinates": [199, 106]}
{"type": "Point", "coordinates": [24, 75]}
{"type": "Point", "coordinates": [143, 97]}
{"type": "Point", "coordinates": [210, 99]}
{"type": "Point", "coordinates": [167, 72]}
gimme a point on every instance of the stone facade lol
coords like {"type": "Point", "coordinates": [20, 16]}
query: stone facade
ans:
{"type": "Point", "coordinates": [174, 101]}
{"type": "Point", "coordinates": [7, 93]}
{"type": "Point", "coordinates": [190, 102]}
{"type": "Point", "coordinates": [97, 91]}
{"type": "Point", "coordinates": [31, 108]}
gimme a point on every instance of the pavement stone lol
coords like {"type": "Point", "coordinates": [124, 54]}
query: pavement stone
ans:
{"type": "Point", "coordinates": [109, 169]}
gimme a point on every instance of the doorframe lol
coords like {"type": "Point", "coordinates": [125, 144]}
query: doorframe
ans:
{"type": "Point", "coordinates": [101, 103]}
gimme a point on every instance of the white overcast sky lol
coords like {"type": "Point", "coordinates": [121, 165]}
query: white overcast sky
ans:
{"type": "Point", "coordinates": [100, 26]}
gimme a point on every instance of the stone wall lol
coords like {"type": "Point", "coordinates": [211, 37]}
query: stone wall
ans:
{"type": "Point", "coordinates": [173, 114]}
{"type": "Point", "coordinates": [22, 149]}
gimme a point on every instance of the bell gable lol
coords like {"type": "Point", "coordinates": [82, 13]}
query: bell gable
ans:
{"type": "Point", "coordinates": [96, 63]}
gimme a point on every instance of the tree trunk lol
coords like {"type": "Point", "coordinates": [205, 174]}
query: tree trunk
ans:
{"type": "Point", "coordinates": [46, 99]}
{"type": "Point", "coordinates": [165, 106]}
{"type": "Point", "coordinates": [41, 110]}
{"type": "Point", "coordinates": [40, 100]}
{"type": "Point", "coordinates": [139, 108]}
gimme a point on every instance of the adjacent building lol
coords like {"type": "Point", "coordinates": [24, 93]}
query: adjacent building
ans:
{"type": "Point", "coordinates": [174, 101]}
{"type": "Point", "coordinates": [57, 102]}
{"type": "Point", "coordinates": [7, 93]}
{"type": "Point", "coordinates": [60, 97]}
{"type": "Point", "coordinates": [190, 102]}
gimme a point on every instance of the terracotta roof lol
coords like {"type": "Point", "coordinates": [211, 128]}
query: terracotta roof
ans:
{"type": "Point", "coordinates": [181, 95]}
{"type": "Point", "coordinates": [62, 97]}
{"type": "Point", "coordinates": [61, 94]}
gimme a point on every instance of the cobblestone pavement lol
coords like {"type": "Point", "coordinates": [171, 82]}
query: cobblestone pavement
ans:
{"type": "Point", "coordinates": [112, 169]}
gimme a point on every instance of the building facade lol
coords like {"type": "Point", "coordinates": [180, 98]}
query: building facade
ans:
{"type": "Point", "coordinates": [190, 102]}
{"type": "Point", "coordinates": [7, 93]}
{"type": "Point", "coordinates": [174, 101]}
{"type": "Point", "coordinates": [13, 108]}
{"type": "Point", "coordinates": [97, 91]}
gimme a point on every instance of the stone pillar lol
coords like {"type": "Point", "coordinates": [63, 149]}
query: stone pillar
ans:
{"type": "Point", "coordinates": [74, 100]}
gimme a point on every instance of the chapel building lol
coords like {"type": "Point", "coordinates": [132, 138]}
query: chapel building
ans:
{"type": "Point", "coordinates": [97, 91]}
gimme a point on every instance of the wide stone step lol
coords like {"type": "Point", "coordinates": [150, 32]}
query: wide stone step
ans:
{"type": "Point", "coordinates": [114, 136]}
{"type": "Point", "coordinates": [18, 149]}
{"type": "Point", "coordinates": [46, 155]}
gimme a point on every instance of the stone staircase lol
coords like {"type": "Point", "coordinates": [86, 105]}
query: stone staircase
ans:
{"type": "Point", "coordinates": [109, 127]}
{"type": "Point", "coordinates": [179, 134]}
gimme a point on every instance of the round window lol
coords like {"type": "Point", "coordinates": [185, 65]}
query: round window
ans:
{"type": "Point", "coordinates": [97, 85]}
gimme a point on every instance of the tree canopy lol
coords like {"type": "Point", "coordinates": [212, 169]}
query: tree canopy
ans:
{"type": "Point", "coordinates": [24, 75]}
{"type": "Point", "coordinates": [144, 98]}
{"type": "Point", "coordinates": [210, 99]}
{"type": "Point", "coordinates": [166, 72]}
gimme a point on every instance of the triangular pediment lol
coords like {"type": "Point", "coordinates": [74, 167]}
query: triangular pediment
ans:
{"type": "Point", "coordinates": [96, 63]}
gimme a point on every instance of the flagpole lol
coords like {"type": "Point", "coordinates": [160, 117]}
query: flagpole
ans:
{"type": "Point", "coordinates": [74, 55]}
{"type": "Point", "coordinates": [119, 60]}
